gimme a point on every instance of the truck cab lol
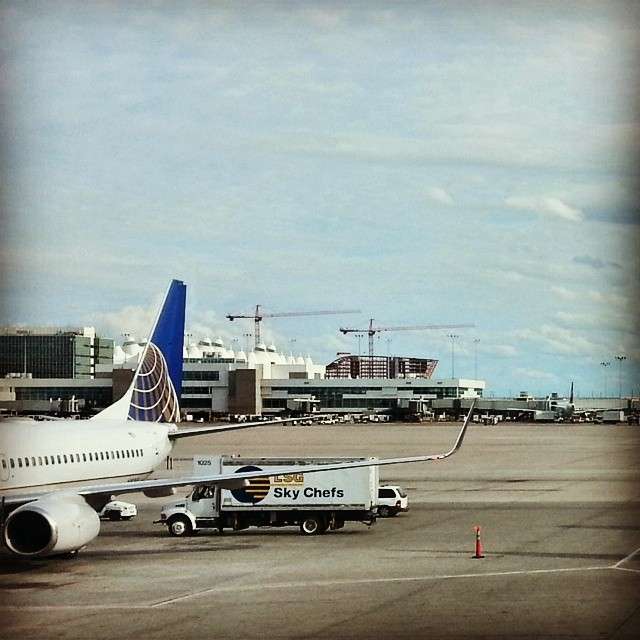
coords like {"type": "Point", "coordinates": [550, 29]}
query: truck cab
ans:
{"type": "Point", "coordinates": [199, 509]}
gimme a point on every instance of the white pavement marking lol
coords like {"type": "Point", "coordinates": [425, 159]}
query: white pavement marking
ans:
{"type": "Point", "coordinates": [625, 559]}
{"type": "Point", "coordinates": [315, 584]}
{"type": "Point", "coordinates": [335, 583]}
{"type": "Point", "coordinates": [72, 607]}
{"type": "Point", "coordinates": [625, 569]}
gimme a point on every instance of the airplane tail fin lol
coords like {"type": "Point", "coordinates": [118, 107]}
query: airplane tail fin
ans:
{"type": "Point", "coordinates": [154, 392]}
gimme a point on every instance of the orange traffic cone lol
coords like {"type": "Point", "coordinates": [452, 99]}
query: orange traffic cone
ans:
{"type": "Point", "coordinates": [479, 549]}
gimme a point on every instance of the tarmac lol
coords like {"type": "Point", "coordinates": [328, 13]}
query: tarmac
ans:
{"type": "Point", "coordinates": [558, 506]}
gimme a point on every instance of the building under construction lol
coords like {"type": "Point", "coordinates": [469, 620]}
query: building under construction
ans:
{"type": "Point", "coordinates": [349, 366]}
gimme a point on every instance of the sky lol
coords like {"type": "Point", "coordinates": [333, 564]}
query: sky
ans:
{"type": "Point", "coordinates": [424, 162]}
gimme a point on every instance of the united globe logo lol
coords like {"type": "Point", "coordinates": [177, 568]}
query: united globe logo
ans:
{"type": "Point", "coordinates": [257, 490]}
{"type": "Point", "coordinates": [154, 399]}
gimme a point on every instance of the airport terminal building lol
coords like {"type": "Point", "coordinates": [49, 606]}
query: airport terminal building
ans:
{"type": "Point", "coordinates": [218, 381]}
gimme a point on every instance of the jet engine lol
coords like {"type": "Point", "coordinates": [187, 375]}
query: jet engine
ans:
{"type": "Point", "coordinates": [51, 525]}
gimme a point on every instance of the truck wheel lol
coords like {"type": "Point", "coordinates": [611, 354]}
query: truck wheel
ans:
{"type": "Point", "coordinates": [180, 526]}
{"type": "Point", "coordinates": [384, 511]}
{"type": "Point", "coordinates": [310, 526]}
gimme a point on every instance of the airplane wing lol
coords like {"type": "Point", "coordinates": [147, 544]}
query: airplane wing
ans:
{"type": "Point", "coordinates": [238, 479]}
{"type": "Point", "coordinates": [187, 432]}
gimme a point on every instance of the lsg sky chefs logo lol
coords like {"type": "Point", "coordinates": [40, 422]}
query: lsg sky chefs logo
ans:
{"type": "Point", "coordinates": [257, 489]}
{"type": "Point", "coordinates": [288, 486]}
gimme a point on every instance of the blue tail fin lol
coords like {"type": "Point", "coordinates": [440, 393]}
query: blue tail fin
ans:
{"type": "Point", "coordinates": [157, 383]}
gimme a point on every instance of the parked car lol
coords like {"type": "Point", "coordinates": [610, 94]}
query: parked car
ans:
{"type": "Point", "coordinates": [118, 510]}
{"type": "Point", "coordinates": [391, 501]}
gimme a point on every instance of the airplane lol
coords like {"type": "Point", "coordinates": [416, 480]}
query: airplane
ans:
{"type": "Point", "coordinates": [55, 478]}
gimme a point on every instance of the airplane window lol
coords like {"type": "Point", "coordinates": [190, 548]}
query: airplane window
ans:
{"type": "Point", "coordinates": [53, 460]}
{"type": "Point", "coordinates": [40, 460]}
{"type": "Point", "coordinates": [33, 462]}
{"type": "Point", "coordinates": [4, 463]}
{"type": "Point", "coordinates": [77, 457]}
{"type": "Point", "coordinates": [46, 460]}
{"type": "Point", "coordinates": [127, 453]}
{"type": "Point", "coordinates": [106, 453]}
{"type": "Point", "coordinates": [118, 455]}
{"type": "Point", "coordinates": [12, 463]}
{"type": "Point", "coordinates": [64, 457]}
{"type": "Point", "coordinates": [20, 462]}
{"type": "Point", "coordinates": [122, 453]}
{"type": "Point", "coordinates": [113, 455]}
{"type": "Point", "coordinates": [101, 455]}
{"type": "Point", "coordinates": [26, 462]}
{"type": "Point", "coordinates": [59, 460]}
{"type": "Point", "coordinates": [84, 457]}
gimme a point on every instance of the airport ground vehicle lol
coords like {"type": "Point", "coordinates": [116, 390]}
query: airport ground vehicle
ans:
{"type": "Point", "coordinates": [391, 501]}
{"type": "Point", "coordinates": [314, 502]}
{"type": "Point", "coordinates": [118, 510]}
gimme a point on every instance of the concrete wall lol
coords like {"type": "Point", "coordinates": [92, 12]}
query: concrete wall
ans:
{"type": "Point", "coordinates": [244, 391]}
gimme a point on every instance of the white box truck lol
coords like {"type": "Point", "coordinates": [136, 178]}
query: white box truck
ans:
{"type": "Point", "coordinates": [314, 502]}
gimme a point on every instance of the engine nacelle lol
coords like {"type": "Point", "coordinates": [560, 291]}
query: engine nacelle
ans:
{"type": "Point", "coordinates": [51, 525]}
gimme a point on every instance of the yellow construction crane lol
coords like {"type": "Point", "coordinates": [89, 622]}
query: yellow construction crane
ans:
{"type": "Point", "coordinates": [258, 316]}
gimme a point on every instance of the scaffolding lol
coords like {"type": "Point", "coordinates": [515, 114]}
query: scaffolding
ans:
{"type": "Point", "coordinates": [351, 366]}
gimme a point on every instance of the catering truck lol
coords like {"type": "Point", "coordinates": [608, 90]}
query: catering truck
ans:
{"type": "Point", "coordinates": [315, 502]}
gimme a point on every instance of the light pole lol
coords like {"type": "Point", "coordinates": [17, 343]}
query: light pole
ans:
{"type": "Point", "coordinates": [605, 365]}
{"type": "Point", "coordinates": [475, 357]}
{"type": "Point", "coordinates": [187, 339]}
{"type": "Point", "coordinates": [620, 358]}
{"type": "Point", "coordinates": [453, 337]}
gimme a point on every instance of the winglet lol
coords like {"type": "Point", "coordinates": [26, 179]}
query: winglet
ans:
{"type": "Point", "coordinates": [463, 431]}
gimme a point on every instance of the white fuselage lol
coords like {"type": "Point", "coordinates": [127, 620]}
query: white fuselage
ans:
{"type": "Point", "coordinates": [56, 454]}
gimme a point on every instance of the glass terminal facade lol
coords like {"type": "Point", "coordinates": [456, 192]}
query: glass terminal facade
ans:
{"type": "Point", "coordinates": [54, 355]}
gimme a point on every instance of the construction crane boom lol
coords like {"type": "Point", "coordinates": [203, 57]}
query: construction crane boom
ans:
{"type": "Point", "coordinates": [258, 316]}
{"type": "Point", "coordinates": [371, 330]}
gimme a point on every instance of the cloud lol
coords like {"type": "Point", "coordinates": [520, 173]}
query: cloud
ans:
{"type": "Point", "coordinates": [548, 206]}
{"type": "Point", "coordinates": [325, 17]}
{"type": "Point", "coordinates": [564, 293]}
{"type": "Point", "coordinates": [560, 340]}
{"type": "Point", "coordinates": [133, 319]}
{"type": "Point", "coordinates": [534, 374]}
{"type": "Point", "coordinates": [596, 263]}
{"type": "Point", "coordinates": [505, 350]}
{"type": "Point", "coordinates": [437, 194]}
